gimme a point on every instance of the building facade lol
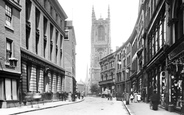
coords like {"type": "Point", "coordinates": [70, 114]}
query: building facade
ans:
{"type": "Point", "coordinates": [81, 87]}
{"type": "Point", "coordinates": [42, 35]}
{"type": "Point", "coordinates": [100, 44]}
{"type": "Point", "coordinates": [107, 81]}
{"type": "Point", "coordinates": [69, 48]}
{"type": "Point", "coordinates": [123, 71]}
{"type": "Point", "coordinates": [10, 59]}
{"type": "Point", "coordinates": [33, 35]}
{"type": "Point", "coordinates": [152, 57]}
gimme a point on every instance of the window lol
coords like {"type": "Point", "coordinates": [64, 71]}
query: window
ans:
{"type": "Point", "coordinates": [28, 9]}
{"type": "Point", "coordinates": [56, 17]}
{"type": "Point", "coordinates": [61, 42]}
{"type": "Point", "coordinates": [37, 19]}
{"type": "Point", "coordinates": [51, 10]}
{"type": "Point", "coordinates": [101, 33]}
{"type": "Point", "coordinates": [11, 89]}
{"type": "Point", "coordinates": [45, 36]}
{"type": "Point", "coordinates": [61, 23]}
{"type": "Point", "coordinates": [45, 3]}
{"type": "Point", "coordinates": [56, 46]}
{"type": "Point", "coordinates": [66, 35]}
{"type": "Point", "coordinates": [8, 49]}
{"type": "Point", "coordinates": [1, 88]}
{"type": "Point", "coordinates": [8, 13]}
{"type": "Point", "coordinates": [51, 41]}
{"type": "Point", "coordinates": [153, 45]}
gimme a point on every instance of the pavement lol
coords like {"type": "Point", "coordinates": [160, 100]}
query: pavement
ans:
{"type": "Point", "coordinates": [143, 108]}
{"type": "Point", "coordinates": [41, 106]}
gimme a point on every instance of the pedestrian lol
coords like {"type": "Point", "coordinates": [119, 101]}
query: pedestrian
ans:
{"type": "Point", "coordinates": [138, 97]}
{"type": "Point", "coordinates": [70, 96]}
{"type": "Point", "coordinates": [131, 97]}
{"type": "Point", "coordinates": [110, 96]}
{"type": "Point", "coordinates": [82, 94]}
{"type": "Point", "coordinates": [154, 100]}
{"type": "Point", "coordinates": [135, 97]}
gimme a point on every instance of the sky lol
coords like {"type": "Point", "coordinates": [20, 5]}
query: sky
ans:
{"type": "Point", "coordinates": [123, 14]}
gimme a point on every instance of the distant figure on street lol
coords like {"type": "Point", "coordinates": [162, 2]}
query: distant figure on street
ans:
{"type": "Point", "coordinates": [70, 96]}
{"type": "Point", "coordinates": [154, 101]}
{"type": "Point", "coordinates": [82, 94]}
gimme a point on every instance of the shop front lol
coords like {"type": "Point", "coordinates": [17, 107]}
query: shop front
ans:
{"type": "Point", "coordinates": [107, 85]}
{"type": "Point", "coordinates": [176, 78]}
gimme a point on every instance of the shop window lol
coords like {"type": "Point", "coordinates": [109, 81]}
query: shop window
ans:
{"type": "Point", "coordinates": [14, 89]}
{"type": "Point", "coordinates": [8, 89]}
{"type": "Point", "coordinates": [176, 90]}
{"type": "Point", "coordinates": [8, 12]}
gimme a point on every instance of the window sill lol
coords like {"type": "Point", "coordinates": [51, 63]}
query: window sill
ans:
{"type": "Point", "coordinates": [9, 27]}
{"type": "Point", "coordinates": [7, 64]}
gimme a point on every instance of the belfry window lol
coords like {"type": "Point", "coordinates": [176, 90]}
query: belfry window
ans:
{"type": "Point", "coordinates": [101, 33]}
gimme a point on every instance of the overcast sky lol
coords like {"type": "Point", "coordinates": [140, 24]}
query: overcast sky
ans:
{"type": "Point", "coordinates": [123, 14]}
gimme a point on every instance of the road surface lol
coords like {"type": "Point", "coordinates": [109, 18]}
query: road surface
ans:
{"type": "Point", "coordinates": [90, 106]}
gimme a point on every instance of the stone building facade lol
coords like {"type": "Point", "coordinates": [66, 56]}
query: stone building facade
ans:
{"type": "Point", "coordinates": [107, 81]}
{"type": "Point", "coordinates": [69, 48]}
{"type": "Point", "coordinates": [42, 35]}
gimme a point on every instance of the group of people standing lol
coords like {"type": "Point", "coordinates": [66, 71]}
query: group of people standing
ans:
{"type": "Point", "coordinates": [74, 96]}
{"type": "Point", "coordinates": [154, 99]}
{"type": "Point", "coordinates": [107, 94]}
{"type": "Point", "coordinates": [135, 97]}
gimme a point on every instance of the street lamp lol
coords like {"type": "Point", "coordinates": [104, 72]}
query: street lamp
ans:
{"type": "Point", "coordinates": [126, 94]}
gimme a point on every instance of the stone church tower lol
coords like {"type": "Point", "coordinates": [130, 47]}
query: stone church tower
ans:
{"type": "Point", "coordinates": [100, 44]}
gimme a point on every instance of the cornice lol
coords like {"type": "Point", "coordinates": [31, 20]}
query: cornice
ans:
{"type": "Point", "coordinates": [49, 16]}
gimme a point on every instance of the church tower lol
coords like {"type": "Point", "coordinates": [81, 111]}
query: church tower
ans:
{"type": "Point", "coordinates": [100, 44]}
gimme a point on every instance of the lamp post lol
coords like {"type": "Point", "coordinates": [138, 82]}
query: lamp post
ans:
{"type": "Point", "coordinates": [113, 87]}
{"type": "Point", "coordinates": [126, 94]}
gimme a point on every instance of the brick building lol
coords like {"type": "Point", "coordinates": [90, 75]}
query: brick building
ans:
{"type": "Point", "coordinates": [10, 60]}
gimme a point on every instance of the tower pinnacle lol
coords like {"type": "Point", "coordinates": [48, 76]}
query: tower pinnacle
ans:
{"type": "Point", "coordinates": [109, 12]}
{"type": "Point", "coordinates": [93, 13]}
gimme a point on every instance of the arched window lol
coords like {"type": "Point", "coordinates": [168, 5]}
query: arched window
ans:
{"type": "Point", "coordinates": [101, 33]}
